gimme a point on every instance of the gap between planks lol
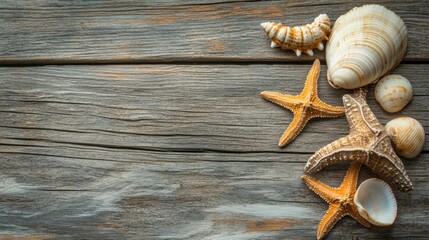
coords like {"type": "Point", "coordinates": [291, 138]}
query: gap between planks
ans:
{"type": "Point", "coordinates": [168, 61]}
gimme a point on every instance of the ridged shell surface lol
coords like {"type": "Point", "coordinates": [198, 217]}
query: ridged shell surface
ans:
{"type": "Point", "coordinates": [376, 202]}
{"type": "Point", "coordinates": [408, 136]}
{"type": "Point", "coordinates": [299, 38]}
{"type": "Point", "coordinates": [365, 44]}
{"type": "Point", "coordinates": [393, 93]}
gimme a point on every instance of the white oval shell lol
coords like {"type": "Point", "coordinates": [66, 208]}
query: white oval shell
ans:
{"type": "Point", "coordinates": [366, 43]}
{"type": "Point", "coordinates": [393, 93]}
{"type": "Point", "coordinates": [408, 136]}
{"type": "Point", "coordinates": [376, 202]}
{"type": "Point", "coordinates": [299, 38]}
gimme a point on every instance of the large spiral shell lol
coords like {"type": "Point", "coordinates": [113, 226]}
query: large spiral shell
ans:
{"type": "Point", "coordinates": [365, 44]}
{"type": "Point", "coordinates": [300, 38]}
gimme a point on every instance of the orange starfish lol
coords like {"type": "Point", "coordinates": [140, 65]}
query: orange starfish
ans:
{"type": "Point", "coordinates": [305, 106]}
{"type": "Point", "coordinates": [340, 200]}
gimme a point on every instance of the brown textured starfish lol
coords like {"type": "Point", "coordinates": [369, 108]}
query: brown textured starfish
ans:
{"type": "Point", "coordinates": [367, 143]}
{"type": "Point", "coordinates": [305, 106]}
{"type": "Point", "coordinates": [340, 200]}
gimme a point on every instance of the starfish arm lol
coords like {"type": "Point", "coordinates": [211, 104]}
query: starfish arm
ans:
{"type": "Point", "coordinates": [332, 216]}
{"type": "Point", "coordinates": [324, 191]}
{"type": "Point", "coordinates": [359, 115]}
{"type": "Point", "coordinates": [361, 92]}
{"type": "Point", "coordinates": [322, 109]}
{"type": "Point", "coordinates": [349, 183]}
{"type": "Point", "coordinates": [353, 212]}
{"type": "Point", "coordinates": [298, 123]}
{"type": "Point", "coordinates": [343, 149]}
{"type": "Point", "coordinates": [310, 88]}
{"type": "Point", "coordinates": [391, 173]}
{"type": "Point", "coordinates": [287, 101]}
{"type": "Point", "coordinates": [386, 164]}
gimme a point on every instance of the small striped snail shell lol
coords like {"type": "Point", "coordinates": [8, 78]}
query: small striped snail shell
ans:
{"type": "Point", "coordinates": [299, 38]}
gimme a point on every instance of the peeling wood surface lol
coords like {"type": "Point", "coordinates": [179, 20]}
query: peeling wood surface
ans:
{"type": "Point", "coordinates": [41, 32]}
{"type": "Point", "coordinates": [175, 142]}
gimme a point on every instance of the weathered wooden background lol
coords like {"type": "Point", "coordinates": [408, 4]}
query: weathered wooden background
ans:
{"type": "Point", "coordinates": [143, 120]}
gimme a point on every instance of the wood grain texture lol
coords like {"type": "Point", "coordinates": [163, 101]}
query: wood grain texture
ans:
{"type": "Point", "coordinates": [177, 152]}
{"type": "Point", "coordinates": [61, 32]}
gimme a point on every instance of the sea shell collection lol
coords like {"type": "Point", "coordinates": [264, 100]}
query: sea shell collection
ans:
{"type": "Point", "coordinates": [368, 143]}
{"type": "Point", "coordinates": [365, 44]}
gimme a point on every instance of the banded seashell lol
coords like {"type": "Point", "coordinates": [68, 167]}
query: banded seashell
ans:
{"type": "Point", "coordinates": [299, 38]}
{"type": "Point", "coordinates": [376, 202]}
{"type": "Point", "coordinates": [393, 93]}
{"type": "Point", "coordinates": [365, 44]}
{"type": "Point", "coordinates": [408, 136]}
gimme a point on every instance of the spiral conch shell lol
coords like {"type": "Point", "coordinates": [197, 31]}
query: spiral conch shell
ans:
{"type": "Point", "coordinates": [375, 202]}
{"type": "Point", "coordinates": [408, 136]}
{"type": "Point", "coordinates": [365, 44]}
{"type": "Point", "coordinates": [300, 38]}
{"type": "Point", "coordinates": [393, 92]}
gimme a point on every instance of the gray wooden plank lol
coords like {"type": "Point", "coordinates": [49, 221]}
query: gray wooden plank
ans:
{"type": "Point", "coordinates": [174, 107]}
{"type": "Point", "coordinates": [176, 152]}
{"type": "Point", "coordinates": [177, 197]}
{"type": "Point", "coordinates": [46, 32]}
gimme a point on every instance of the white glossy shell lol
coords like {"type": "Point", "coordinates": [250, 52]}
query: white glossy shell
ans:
{"type": "Point", "coordinates": [393, 93]}
{"type": "Point", "coordinates": [376, 202]}
{"type": "Point", "coordinates": [299, 38]}
{"type": "Point", "coordinates": [365, 44]}
{"type": "Point", "coordinates": [408, 136]}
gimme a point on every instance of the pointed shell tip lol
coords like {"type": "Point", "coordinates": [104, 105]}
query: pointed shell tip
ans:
{"type": "Point", "coordinates": [274, 45]}
{"type": "Point", "coordinates": [264, 24]}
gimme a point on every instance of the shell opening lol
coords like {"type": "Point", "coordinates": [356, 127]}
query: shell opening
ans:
{"type": "Point", "coordinates": [376, 202]}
